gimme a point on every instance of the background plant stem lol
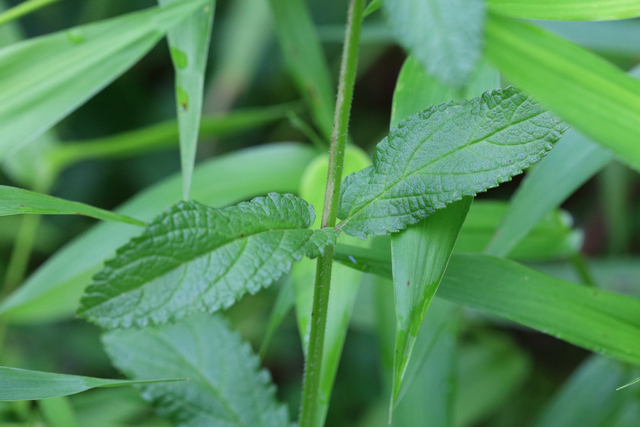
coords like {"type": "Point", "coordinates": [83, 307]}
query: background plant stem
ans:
{"type": "Point", "coordinates": [23, 9]}
{"type": "Point", "coordinates": [336, 158]}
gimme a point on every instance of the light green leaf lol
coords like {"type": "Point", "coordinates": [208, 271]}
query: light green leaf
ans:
{"type": "Point", "coordinates": [420, 253]}
{"type": "Point", "coordinates": [574, 160]}
{"type": "Point", "coordinates": [571, 81]}
{"type": "Point", "coordinates": [444, 35]}
{"type": "Point", "coordinates": [597, 320]}
{"type": "Point", "coordinates": [22, 384]}
{"type": "Point", "coordinates": [53, 291]}
{"type": "Point", "coordinates": [226, 386]}
{"type": "Point", "coordinates": [442, 154]}
{"type": "Point", "coordinates": [58, 412]}
{"type": "Point", "coordinates": [372, 7]}
{"type": "Point", "coordinates": [189, 46]}
{"type": "Point", "coordinates": [345, 283]}
{"type": "Point", "coordinates": [305, 59]}
{"type": "Point", "coordinates": [567, 10]}
{"type": "Point", "coordinates": [283, 305]}
{"type": "Point", "coordinates": [196, 258]}
{"type": "Point", "coordinates": [46, 78]}
{"type": "Point", "coordinates": [636, 381]}
{"type": "Point", "coordinates": [588, 398]}
{"type": "Point", "coordinates": [15, 201]}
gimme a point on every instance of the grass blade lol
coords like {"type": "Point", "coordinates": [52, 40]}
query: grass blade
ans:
{"type": "Point", "coordinates": [15, 201]}
{"type": "Point", "coordinates": [636, 381]}
{"type": "Point", "coordinates": [46, 78]}
{"type": "Point", "coordinates": [567, 10]}
{"type": "Point", "coordinates": [22, 384]}
{"type": "Point", "coordinates": [571, 81]}
{"type": "Point", "coordinates": [53, 291]}
{"type": "Point", "coordinates": [189, 46]}
{"type": "Point", "coordinates": [283, 305]}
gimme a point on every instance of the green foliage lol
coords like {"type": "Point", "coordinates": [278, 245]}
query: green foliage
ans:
{"type": "Point", "coordinates": [226, 386]}
{"type": "Point", "coordinates": [567, 10]}
{"type": "Point", "coordinates": [196, 258]}
{"type": "Point", "coordinates": [444, 35]}
{"type": "Point", "coordinates": [442, 154]}
{"type": "Point", "coordinates": [22, 384]}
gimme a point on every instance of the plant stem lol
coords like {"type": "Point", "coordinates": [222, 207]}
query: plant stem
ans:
{"type": "Point", "coordinates": [348, 69]}
{"type": "Point", "coordinates": [23, 9]}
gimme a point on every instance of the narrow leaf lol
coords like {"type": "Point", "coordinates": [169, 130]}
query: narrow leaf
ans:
{"type": "Point", "coordinates": [597, 320]}
{"type": "Point", "coordinates": [283, 305]}
{"type": "Point", "coordinates": [46, 78]}
{"type": "Point", "coordinates": [567, 10]}
{"type": "Point", "coordinates": [637, 380]}
{"type": "Point", "coordinates": [442, 154]}
{"type": "Point", "coordinates": [189, 45]}
{"type": "Point", "coordinates": [571, 81]}
{"type": "Point", "coordinates": [372, 7]}
{"type": "Point", "coordinates": [196, 258]}
{"type": "Point", "coordinates": [53, 291]}
{"type": "Point", "coordinates": [574, 160]}
{"type": "Point", "coordinates": [226, 386]}
{"type": "Point", "coordinates": [588, 398]}
{"type": "Point", "coordinates": [305, 59]}
{"type": "Point", "coordinates": [22, 384]}
{"type": "Point", "coordinates": [58, 412]}
{"type": "Point", "coordinates": [14, 201]}
{"type": "Point", "coordinates": [444, 35]}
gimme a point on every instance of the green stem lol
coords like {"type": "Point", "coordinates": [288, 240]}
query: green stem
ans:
{"type": "Point", "coordinates": [23, 9]}
{"type": "Point", "coordinates": [348, 69]}
{"type": "Point", "coordinates": [582, 268]}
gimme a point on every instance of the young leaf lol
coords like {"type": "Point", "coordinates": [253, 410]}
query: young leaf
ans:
{"type": "Point", "coordinates": [14, 201]}
{"type": "Point", "coordinates": [442, 154]}
{"type": "Point", "coordinates": [571, 81]}
{"type": "Point", "coordinates": [574, 160]}
{"type": "Point", "coordinates": [189, 45]}
{"type": "Point", "coordinates": [226, 386]}
{"type": "Point", "coordinates": [305, 59]}
{"type": "Point", "coordinates": [196, 258]}
{"type": "Point", "coordinates": [46, 78]}
{"type": "Point", "coordinates": [567, 10]}
{"type": "Point", "coordinates": [596, 320]}
{"type": "Point", "coordinates": [589, 397]}
{"type": "Point", "coordinates": [22, 384]}
{"type": "Point", "coordinates": [53, 291]}
{"type": "Point", "coordinates": [444, 35]}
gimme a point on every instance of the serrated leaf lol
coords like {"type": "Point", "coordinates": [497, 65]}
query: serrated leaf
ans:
{"type": "Point", "coordinates": [226, 386]}
{"type": "Point", "coordinates": [597, 320]}
{"type": "Point", "coordinates": [197, 258]}
{"type": "Point", "coordinates": [23, 384]}
{"type": "Point", "coordinates": [46, 78]}
{"type": "Point", "coordinates": [189, 46]}
{"type": "Point", "coordinates": [53, 291]}
{"type": "Point", "coordinates": [593, 95]}
{"type": "Point", "coordinates": [575, 160]}
{"type": "Point", "coordinates": [305, 60]}
{"type": "Point", "coordinates": [15, 201]}
{"type": "Point", "coordinates": [446, 36]}
{"type": "Point", "coordinates": [442, 154]}
{"type": "Point", "coordinates": [567, 10]}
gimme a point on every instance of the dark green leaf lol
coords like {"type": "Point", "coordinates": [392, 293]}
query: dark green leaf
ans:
{"type": "Point", "coordinates": [567, 10]}
{"type": "Point", "coordinates": [444, 35]}
{"type": "Point", "coordinates": [571, 81]}
{"type": "Point", "coordinates": [14, 201]}
{"type": "Point", "coordinates": [442, 154]}
{"type": "Point", "coordinates": [196, 258]}
{"type": "Point", "coordinates": [45, 78]}
{"type": "Point", "coordinates": [22, 384]}
{"type": "Point", "coordinates": [53, 291]}
{"type": "Point", "coordinates": [226, 386]}
{"type": "Point", "coordinates": [597, 320]}
{"type": "Point", "coordinates": [189, 45]}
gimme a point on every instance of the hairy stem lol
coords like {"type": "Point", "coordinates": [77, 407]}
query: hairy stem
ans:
{"type": "Point", "coordinates": [348, 68]}
{"type": "Point", "coordinates": [23, 9]}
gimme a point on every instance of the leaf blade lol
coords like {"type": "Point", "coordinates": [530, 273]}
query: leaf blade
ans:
{"type": "Point", "coordinates": [195, 258]}
{"type": "Point", "coordinates": [189, 46]}
{"type": "Point", "coordinates": [567, 10]}
{"type": "Point", "coordinates": [226, 387]}
{"type": "Point", "coordinates": [46, 78]}
{"type": "Point", "coordinates": [15, 201]}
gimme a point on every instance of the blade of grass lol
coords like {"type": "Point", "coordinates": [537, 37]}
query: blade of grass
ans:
{"type": "Point", "coordinates": [189, 46]}
{"type": "Point", "coordinates": [24, 8]}
{"type": "Point", "coordinates": [588, 92]}
{"type": "Point", "coordinates": [567, 10]}
{"type": "Point", "coordinates": [283, 305]}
